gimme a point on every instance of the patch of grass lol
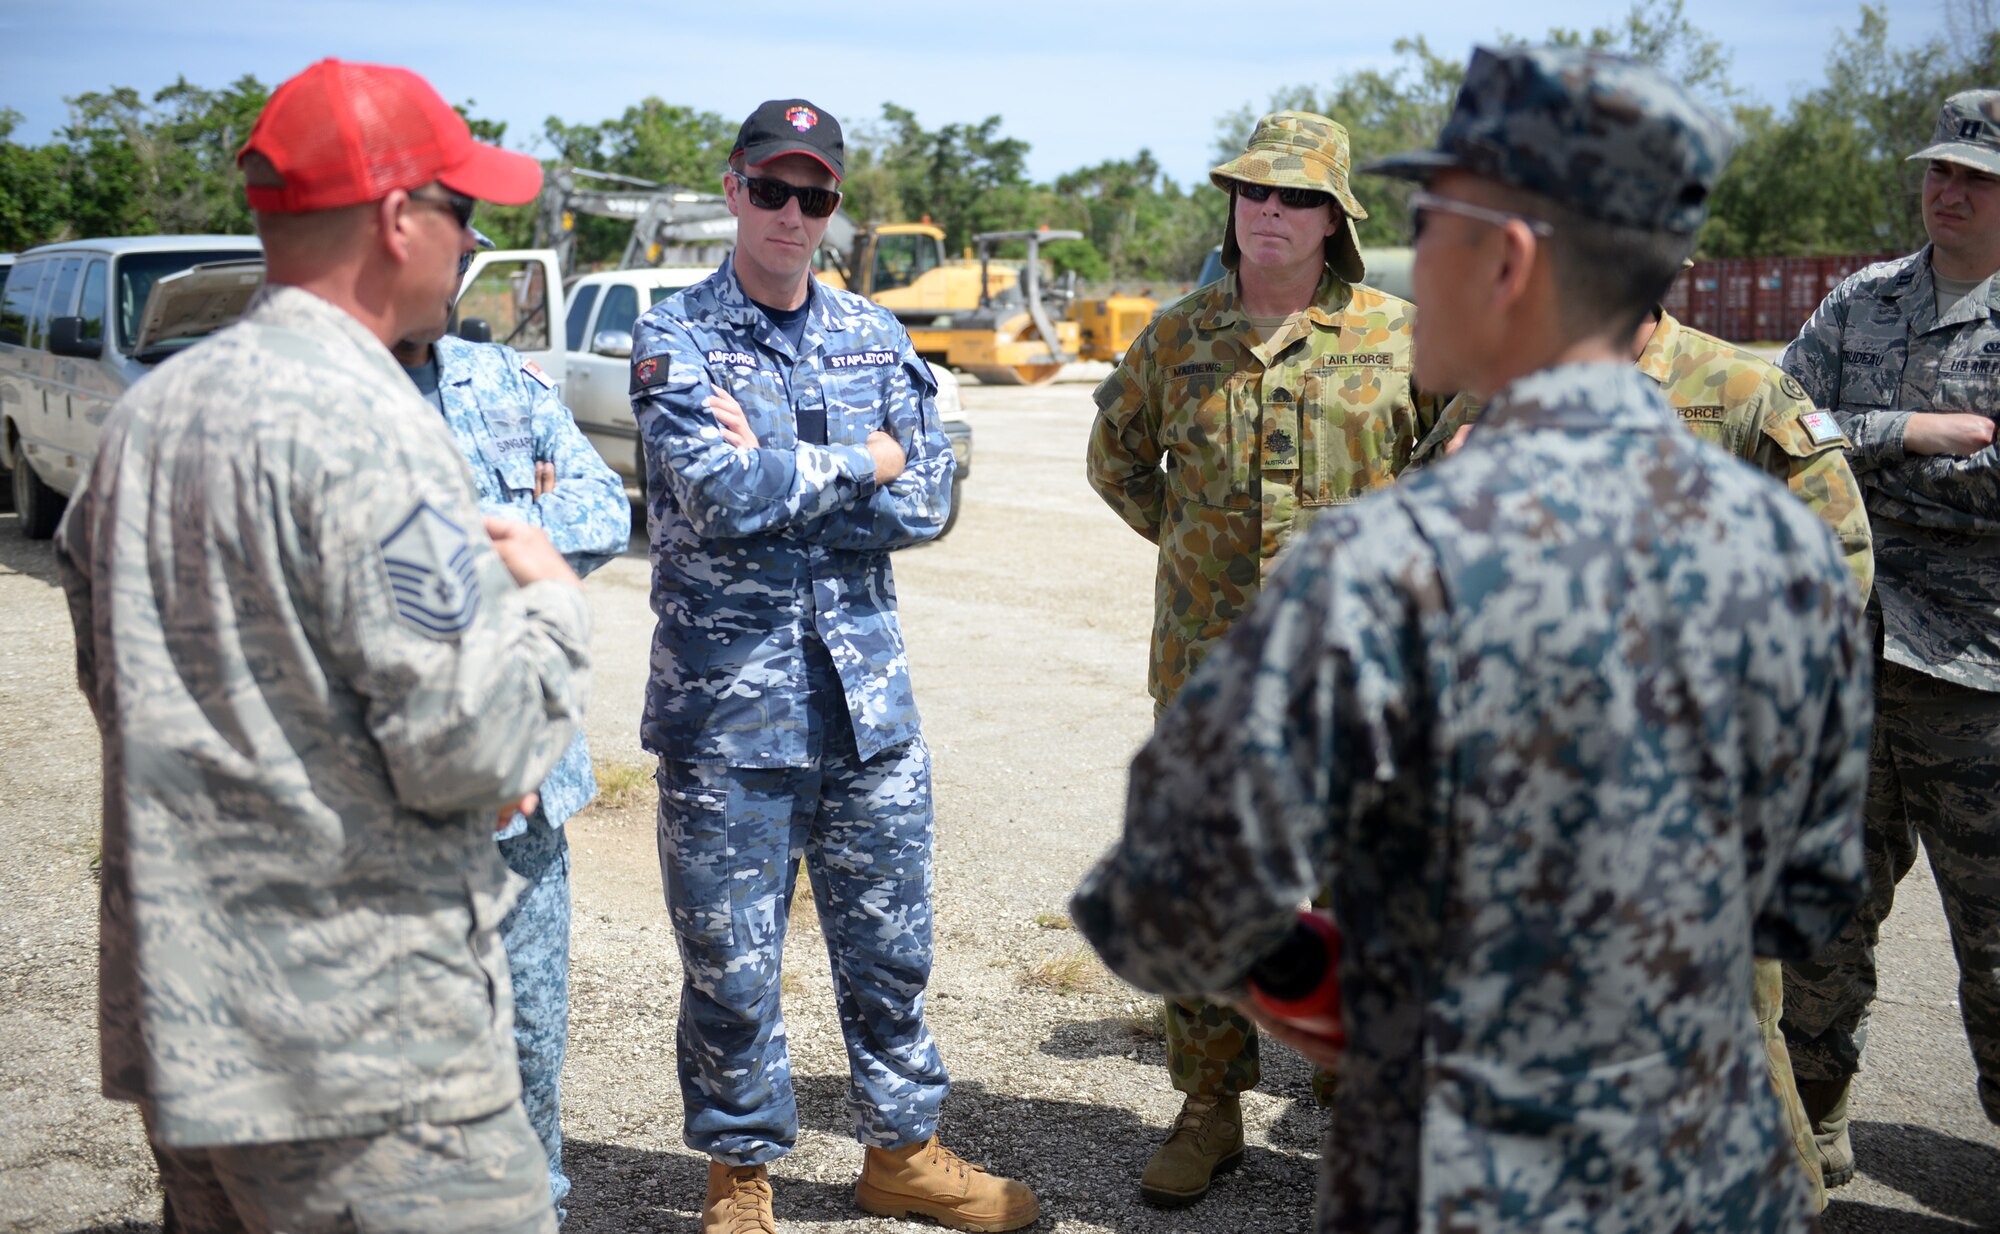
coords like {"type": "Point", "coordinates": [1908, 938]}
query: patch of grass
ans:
{"type": "Point", "coordinates": [1072, 972]}
{"type": "Point", "coordinates": [622, 784]}
{"type": "Point", "coordinates": [1148, 1025]}
{"type": "Point", "coordinates": [1054, 921]}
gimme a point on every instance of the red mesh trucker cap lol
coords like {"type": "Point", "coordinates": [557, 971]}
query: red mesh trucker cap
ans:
{"type": "Point", "coordinates": [343, 134]}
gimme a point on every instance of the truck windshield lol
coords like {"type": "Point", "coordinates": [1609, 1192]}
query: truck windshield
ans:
{"type": "Point", "coordinates": [137, 272]}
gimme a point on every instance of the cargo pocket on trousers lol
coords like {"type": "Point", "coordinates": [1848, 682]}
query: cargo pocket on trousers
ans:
{"type": "Point", "coordinates": [695, 856]}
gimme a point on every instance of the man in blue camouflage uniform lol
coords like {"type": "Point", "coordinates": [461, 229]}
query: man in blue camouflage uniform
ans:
{"type": "Point", "coordinates": [1906, 355]}
{"type": "Point", "coordinates": [791, 443]}
{"type": "Point", "coordinates": [317, 683]}
{"type": "Point", "coordinates": [1573, 724]}
{"type": "Point", "coordinates": [530, 463]}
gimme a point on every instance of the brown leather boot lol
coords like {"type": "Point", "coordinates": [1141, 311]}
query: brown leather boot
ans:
{"type": "Point", "coordinates": [739, 1200]}
{"type": "Point", "coordinates": [1207, 1140]}
{"type": "Point", "coordinates": [932, 1181]}
{"type": "Point", "coordinates": [1826, 1106]}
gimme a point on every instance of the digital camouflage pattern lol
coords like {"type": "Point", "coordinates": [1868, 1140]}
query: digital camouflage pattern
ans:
{"type": "Point", "coordinates": [1297, 149]}
{"type": "Point", "coordinates": [1607, 137]}
{"type": "Point", "coordinates": [1968, 132]}
{"type": "Point", "coordinates": [1574, 724]}
{"type": "Point", "coordinates": [1220, 450]}
{"type": "Point", "coordinates": [1729, 397]}
{"type": "Point", "coordinates": [1872, 353]}
{"type": "Point", "coordinates": [506, 417]}
{"type": "Point", "coordinates": [1875, 352]}
{"type": "Point", "coordinates": [425, 1178]}
{"type": "Point", "coordinates": [754, 551]}
{"type": "Point", "coordinates": [730, 845]}
{"type": "Point", "coordinates": [306, 736]}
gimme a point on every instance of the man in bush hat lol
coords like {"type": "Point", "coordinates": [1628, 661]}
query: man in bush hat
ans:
{"type": "Point", "coordinates": [1571, 726]}
{"type": "Point", "coordinates": [319, 677]}
{"type": "Point", "coordinates": [1906, 356]}
{"type": "Point", "coordinates": [1241, 413]}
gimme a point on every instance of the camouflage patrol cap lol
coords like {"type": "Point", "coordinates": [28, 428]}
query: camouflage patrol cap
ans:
{"type": "Point", "coordinates": [1607, 137]}
{"type": "Point", "coordinates": [1297, 149]}
{"type": "Point", "coordinates": [1968, 132]}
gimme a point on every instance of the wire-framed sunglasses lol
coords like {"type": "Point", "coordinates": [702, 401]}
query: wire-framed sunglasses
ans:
{"type": "Point", "coordinates": [1422, 202]}
{"type": "Point", "coordinates": [1288, 197]}
{"type": "Point", "coordinates": [768, 193]}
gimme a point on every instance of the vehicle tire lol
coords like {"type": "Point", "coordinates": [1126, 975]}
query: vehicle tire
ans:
{"type": "Point", "coordinates": [40, 507]}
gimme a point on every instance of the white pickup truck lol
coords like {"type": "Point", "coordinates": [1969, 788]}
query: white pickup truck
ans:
{"type": "Point", "coordinates": [597, 368]}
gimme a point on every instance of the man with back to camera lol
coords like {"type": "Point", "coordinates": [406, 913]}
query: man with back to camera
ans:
{"type": "Point", "coordinates": [530, 463]}
{"type": "Point", "coordinates": [1733, 399]}
{"type": "Point", "coordinates": [792, 442]}
{"type": "Point", "coordinates": [1906, 355]}
{"type": "Point", "coordinates": [317, 679]}
{"type": "Point", "coordinates": [1238, 415]}
{"type": "Point", "coordinates": [1572, 725]}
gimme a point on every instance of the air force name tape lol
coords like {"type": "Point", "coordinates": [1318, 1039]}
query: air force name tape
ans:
{"type": "Point", "coordinates": [431, 574]}
{"type": "Point", "coordinates": [859, 359]}
{"type": "Point", "coordinates": [722, 356]}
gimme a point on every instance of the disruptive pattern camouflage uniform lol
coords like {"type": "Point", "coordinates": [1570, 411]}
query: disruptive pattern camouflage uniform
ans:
{"type": "Point", "coordinates": [305, 738]}
{"type": "Point", "coordinates": [1875, 352]}
{"type": "Point", "coordinates": [505, 416]}
{"type": "Point", "coordinates": [1220, 451]}
{"type": "Point", "coordinates": [1732, 399]}
{"type": "Point", "coordinates": [780, 702]}
{"type": "Point", "coordinates": [1576, 722]}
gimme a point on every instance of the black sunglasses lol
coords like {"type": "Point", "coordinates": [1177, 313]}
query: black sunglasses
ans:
{"type": "Point", "coordinates": [459, 204]}
{"type": "Point", "coordinates": [1289, 198]}
{"type": "Point", "coordinates": [767, 193]}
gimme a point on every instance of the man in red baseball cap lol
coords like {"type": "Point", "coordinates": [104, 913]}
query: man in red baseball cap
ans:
{"type": "Point", "coordinates": [319, 678]}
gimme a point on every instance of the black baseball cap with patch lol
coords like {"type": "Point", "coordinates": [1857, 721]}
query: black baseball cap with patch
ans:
{"type": "Point", "coordinates": [791, 126]}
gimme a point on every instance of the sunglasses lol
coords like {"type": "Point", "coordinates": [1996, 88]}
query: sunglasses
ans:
{"type": "Point", "coordinates": [457, 204]}
{"type": "Point", "coordinates": [1422, 203]}
{"type": "Point", "coordinates": [1289, 198]}
{"type": "Point", "coordinates": [767, 193]}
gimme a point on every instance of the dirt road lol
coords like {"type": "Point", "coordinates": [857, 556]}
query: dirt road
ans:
{"type": "Point", "coordinates": [1027, 630]}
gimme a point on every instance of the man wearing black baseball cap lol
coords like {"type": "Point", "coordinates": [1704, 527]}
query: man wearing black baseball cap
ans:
{"type": "Point", "coordinates": [792, 440]}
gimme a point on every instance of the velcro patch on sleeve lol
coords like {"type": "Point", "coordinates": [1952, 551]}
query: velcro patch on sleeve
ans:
{"type": "Point", "coordinates": [535, 372]}
{"type": "Point", "coordinates": [432, 578]}
{"type": "Point", "coordinates": [1822, 428]}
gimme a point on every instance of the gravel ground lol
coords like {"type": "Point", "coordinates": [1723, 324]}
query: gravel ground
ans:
{"type": "Point", "coordinates": [1028, 634]}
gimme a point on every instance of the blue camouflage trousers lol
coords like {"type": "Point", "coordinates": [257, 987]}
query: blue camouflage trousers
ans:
{"type": "Point", "coordinates": [1934, 775]}
{"type": "Point", "coordinates": [536, 934]}
{"type": "Point", "coordinates": [730, 841]}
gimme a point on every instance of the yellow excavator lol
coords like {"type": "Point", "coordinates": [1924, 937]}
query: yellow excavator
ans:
{"type": "Point", "coordinates": [986, 317]}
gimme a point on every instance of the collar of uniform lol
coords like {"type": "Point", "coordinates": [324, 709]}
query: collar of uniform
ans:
{"type": "Point", "coordinates": [454, 356]}
{"type": "Point", "coordinates": [1656, 360]}
{"type": "Point", "coordinates": [1222, 307]}
{"type": "Point", "coordinates": [295, 308]}
{"type": "Point", "coordinates": [737, 307]}
{"type": "Point", "coordinates": [1573, 397]}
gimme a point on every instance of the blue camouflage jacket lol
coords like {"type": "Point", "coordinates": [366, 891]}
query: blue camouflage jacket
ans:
{"type": "Point", "coordinates": [756, 549]}
{"type": "Point", "coordinates": [1573, 725]}
{"type": "Point", "coordinates": [506, 417]}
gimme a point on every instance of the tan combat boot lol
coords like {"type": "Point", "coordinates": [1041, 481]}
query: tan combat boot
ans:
{"type": "Point", "coordinates": [1826, 1106]}
{"type": "Point", "coordinates": [932, 1181]}
{"type": "Point", "coordinates": [1207, 1140]}
{"type": "Point", "coordinates": [739, 1200]}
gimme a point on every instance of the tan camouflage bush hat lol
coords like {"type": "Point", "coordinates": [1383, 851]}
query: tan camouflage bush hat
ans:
{"type": "Point", "coordinates": [1297, 149]}
{"type": "Point", "coordinates": [1968, 131]}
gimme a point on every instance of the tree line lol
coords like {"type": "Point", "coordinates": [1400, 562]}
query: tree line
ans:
{"type": "Point", "coordinates": [1823, 174]}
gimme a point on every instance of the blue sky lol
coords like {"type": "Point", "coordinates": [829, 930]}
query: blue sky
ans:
{"type": "Point", "coordinates": [1080, 81]}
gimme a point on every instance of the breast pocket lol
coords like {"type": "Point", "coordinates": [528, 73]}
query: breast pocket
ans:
{"type": "Point", "coordinates": [1865, 385]}
{"type": "Point", "coordinates": [854, 402]}
{"type": "Point", "coordinates": [1357, 426]}
{"type": "Point", "coordinates": [509, 450]}
{"type": "Point", "coordinates": [1209, 433]}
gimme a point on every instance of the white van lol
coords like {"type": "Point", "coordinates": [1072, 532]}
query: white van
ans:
{"type": "Point", "coordinates": [79, 323]}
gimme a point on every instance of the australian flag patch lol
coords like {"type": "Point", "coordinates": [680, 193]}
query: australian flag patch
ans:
{"type": "Point", "coordinates": [431, 574]}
